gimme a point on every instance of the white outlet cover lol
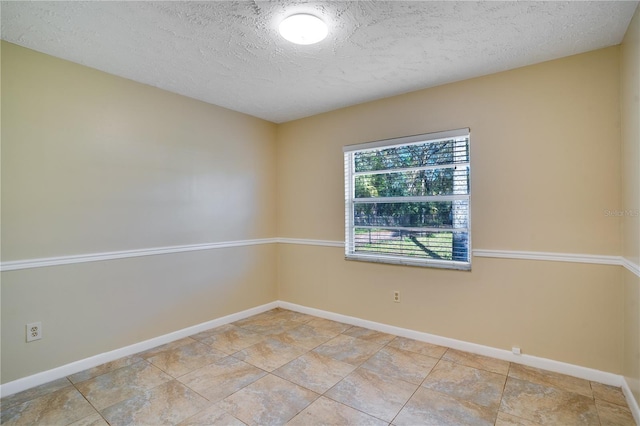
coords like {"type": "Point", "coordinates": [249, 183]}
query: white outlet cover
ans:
{"type": "Point", "coordinates": [34, 331]}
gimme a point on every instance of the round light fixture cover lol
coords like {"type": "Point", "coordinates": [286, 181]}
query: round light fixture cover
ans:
{"type": "Point", "coordinates": [303, 29]}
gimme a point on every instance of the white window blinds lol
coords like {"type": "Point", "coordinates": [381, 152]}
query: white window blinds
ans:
{"type": "Point", "coordinates": [407, 200]}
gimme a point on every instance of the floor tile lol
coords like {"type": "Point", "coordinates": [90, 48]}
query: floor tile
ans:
{"type": "Point", "coordinates": [219, 380]}
{"type": "Point", "coordinates": [269, 329]}
{"type": "Point", "coordinates": [334, 326]}
{"type": "Point", "coordinates": [547, 405]}
{"type": "Point", "coordinates": [33, 393]}
{"type": "Point", "coordinates": [324, 411]}
{"type": "Point", "coordinates": [411, 367]}
{"type": "Point", "coordinates": [423, 348]}
{"type": "Point", "coordinates": [608, 393]}
{"type": "Point", "coordinates": [269, 354]}
{"type": "Point", "coordinates": [295, 316]}
{"type": "Point", "coordinates": [212, 332]}
{"type": "Point", "coordinates": [169, 403]}
{"type": "Point", "coordinates": [304, 336]}
{"type": "Point", "coordinates": [549, 378]}
{"type": "Point", "coordinates": [477, 361]}
{"type": "Point", "coordinates": [505, 419]}
{"type": "Point", "coordinates": [369, 335]}
{"type": "Point", "coordinates": [62, 406]}
{"type": "Point", "coordinates": [268, 401]}
{"type": "Point", "coordinates": [233, 340]}
{"type": "Point", "coordinates": [167, 347]}
{"type": "Point", "coordinates": [118, 385]}
{"type": "Point", "coordinates": [348, 349]}
{"type": "Point", "coordinates": [372, 393]}
{"type": "Point", "coordinates": [614, 415]}
{"type": "Point", "coordinates": [212, 416]}
{"type": "Point", "coordinates": [104, 368]}
{"type": "Point", "coordinates": [183, 359]}
{"type": "Point", "coordinates": [93, 420]}
{"type": "Point", "coordinates": [267, 323]}
{"type": "Point", "coordinates": [470, 384]}
{"type": "Point", "coordinates": [270, 315]}
{"type": "Point", "coordinates": [427, 407]}
{"type": "Point", "coordinates": [314, 371]}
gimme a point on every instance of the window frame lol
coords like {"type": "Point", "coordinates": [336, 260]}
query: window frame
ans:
{"type": "Point", "coordinates": [350, 200]}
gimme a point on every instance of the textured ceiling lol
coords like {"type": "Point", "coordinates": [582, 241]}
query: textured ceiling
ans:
{"type": "Point", "coordinates": [230, 53]}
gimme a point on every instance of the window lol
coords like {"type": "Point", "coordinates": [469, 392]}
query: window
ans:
{"type": "Point", "coordinates": [407, 200]}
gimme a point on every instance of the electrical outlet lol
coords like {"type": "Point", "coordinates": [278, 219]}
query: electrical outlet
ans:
{"type": "Point", "coordinates": [396, 296]}
{"type": "Point", "coordinates": [34, 331]}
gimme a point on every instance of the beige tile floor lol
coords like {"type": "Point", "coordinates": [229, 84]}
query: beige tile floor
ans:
{"type": "Point", "coordinates": [283, 367]}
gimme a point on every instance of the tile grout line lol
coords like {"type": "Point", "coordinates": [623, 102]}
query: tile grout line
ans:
{"type": "Point", "coordinates": [270, 373]}
{"type": "Point", "coordinates": [593, 394]}
{"type": "Point", "coordinates": [347, 375]}
{"type": "Point", "coordinates": [89, 402]}
{"type": "Point", "coordinates": [415, 391]}
{"type": "Point", "coordinates": [324, 394]}
{"type": "Point", "coordinates": [504, 387]}
{"type": "Point", "coordinates": [420, 385]}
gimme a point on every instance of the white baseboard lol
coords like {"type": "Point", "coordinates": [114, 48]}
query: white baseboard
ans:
{"type": "Point", "coordinates": [529, 360]}
{"type": "Point", "coordinates": [37, 379]}
{"type": "Point", "coordinates": [591, 374]}
{"type": "Point", "coordinates": [532, 361]}
{"type": "Point", "coordinates": [631, 400]}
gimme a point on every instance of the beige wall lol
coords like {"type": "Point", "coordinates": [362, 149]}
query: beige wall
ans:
{"type": "Point", "coordinates": [630, 120]}
{"type": "Point", "coordinates": [631, 360]}
{"type": "Point", "coordinates": [95, 163]}
{"type": "Point", "coordinates": [545, 168]}
{"type": "Point", "coordinates": [90, 308]}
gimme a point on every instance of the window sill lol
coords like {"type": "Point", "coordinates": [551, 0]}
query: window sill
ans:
{"type": "Point", "coordinates": [392, 260]}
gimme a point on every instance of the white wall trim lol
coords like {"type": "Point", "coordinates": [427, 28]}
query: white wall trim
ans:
{"type": "Point", "coordinates": [124, 254]}
{"type": "Point", "coordinates": [302, 241]}
{"type": "Point", "coordinates": [554, 257]}
{"type": "Point", "coordinates": [505, 254]}
{"type": "Point", "coordinates": [632, 267]}
{"type": "Point", "coordinates": [41, 378]}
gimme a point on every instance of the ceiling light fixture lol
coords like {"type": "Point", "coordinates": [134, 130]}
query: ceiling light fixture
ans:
{"type": "Point", "coordinates": [303, 29]}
